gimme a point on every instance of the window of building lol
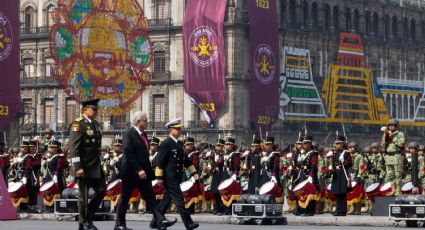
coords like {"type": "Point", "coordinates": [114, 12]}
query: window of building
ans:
{"type": "Point", "coordinates": [28, 112]}
{"type": "Point", "coordinates": [336, 17]}
{"type": "Point", "coordinates": [314, 14]}
{"type": "Point", "coordinates": [158, 102]}
{"type": "Point", "coordinates": [413, 29]}
{"type": "Point", "coordinates": [49, 112]}
{"type": "Point", "coordinates": [120, 121]}
{"type": "Point", "coordinates": [375, 23]}
{"type": "Point", "coordinates": [293, 11]}
{"type": "Point", "coordinates": [72, 111]}
{"type": "Point", "coordinates": [161, 9]}
{"type": "Point", "coordinates": [48, 66]}
{"type": "Point", "coordinates": [159, 61]}
{"type": "Point", "coordinates": [394, 27]}
{"type": "Point", "coordinates": [29, 18]}
{"type": "Point", "coordinates": [28, 67]}
{"type": "Point", "coordinates": [49, 14]}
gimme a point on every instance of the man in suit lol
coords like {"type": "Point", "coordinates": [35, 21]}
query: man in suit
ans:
{"type": "Point", "coordinates": [171, 162]}
{"type": "Point", "coordinates": [84, 146]}
{"type": "Point", "coordinates": [136, 172]}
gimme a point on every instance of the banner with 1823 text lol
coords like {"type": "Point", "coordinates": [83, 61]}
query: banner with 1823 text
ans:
{"type": "Point", "coordinates": [263, 63]}
{"type": "Point", "coordinates": [204, 63]}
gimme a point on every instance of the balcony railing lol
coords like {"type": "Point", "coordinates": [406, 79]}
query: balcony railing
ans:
{"type": "Point", "coordinates": [39, 81]}
{"type": "Point", "coordinates": [34, 32]}
{"type": "Point", "coordinates": [160, 23]}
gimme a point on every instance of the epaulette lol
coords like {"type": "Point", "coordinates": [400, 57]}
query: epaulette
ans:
{"type": "Point", "coordinates": [79, 119]}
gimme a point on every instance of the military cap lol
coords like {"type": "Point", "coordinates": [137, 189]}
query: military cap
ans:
{"type": "Point", "coordinates": [256, 142]}
{"type": "Point", "coordinates": [308, 139]}
{"type": "Point", "coordinates": [189, 140]}
{"type": "Point", "coordinates": [230, 141]}
{"type": "Point", "coordinates": [393, 122]}
{"type": "Point", "coordinates": [299, 140]}
{"type": "Point", "coordinates": [375, 145]}
{"type": "Point", "coordinates": [353, 144]}
{"type": "Point", "coordinates": [47, 130]}
{"type": "Point", "coordinates": [339, 139]}
{"type": "Point", "coordinates": [175, 123]}
{"type": "Point", "coordinates": [269, 141]}
{"type": "Point", "coordinates": [117, 141]}
{"type": "Point", "coordinates": [154, 141]}
{"type": "Point", "coordinates": [366, 149]}
{"type": "Point", "coordinates": [93, 103]}
{"type": "Point", "coordinates": [24, 144]}
{"type": "Point", "coordinates": [55, 144]}
{"type": "Point", "coordinates": [413, 145]}
{"type": "Point", "coordinates": [220, 142]}
{"type": "Point", "coordinates": [32, 143]}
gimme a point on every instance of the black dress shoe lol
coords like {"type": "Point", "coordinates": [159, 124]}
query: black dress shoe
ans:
{"type": "Point", "coordinates": [307, 214]}
{"type": "Point", "coordinates": [168, 223]}
{"type": "Point", "coordinates": [298, 213]}
{"type": "Point", "coordinates": [90, 226]}
{"type": "Point", "coordinates": [82, 227]}
{"type": "Point", "coordinates": [122, 228]}
{"type": "Point", "coordinates": [192, 226]}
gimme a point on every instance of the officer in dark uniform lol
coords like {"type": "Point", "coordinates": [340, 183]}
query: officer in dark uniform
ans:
{"type": "Point", "coordinates": [171, 162]}
{"type": "Point", "coordinates": [270, 162]}
{"type": "Point", "coordinates": [27, 176]}
{"type": "Point", "coordinates": [56, 165]}
{"type": "Point", "coordinates": [84, 146]}
{"type": "Point", "coordinates": [341, 165]}
{"type": "Point", "coordinates": [253, 165]}
{"type": "Point", "coordinates": [153, 150]}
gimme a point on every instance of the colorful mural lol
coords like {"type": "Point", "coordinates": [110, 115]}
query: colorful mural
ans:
{"type": "Point", "coordinates": [349, 92]}
{"type": "Point", "coordinates": [101, 49]}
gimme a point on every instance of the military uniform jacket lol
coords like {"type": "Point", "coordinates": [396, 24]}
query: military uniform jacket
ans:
{"type": "Point", "coordinates": [394, 142]}
{"type": "Point", "coordinates": [84, 146]}
{"type": "Point", "coordinates": [254, 168]}
{"type": "Point", "coordinates": [171, 161]}
{"type": "Point", "coordinates": [232, 162]}
{"type": "Point", "coordinates": [339, 178]}
{"type": "Point", "coordinates": [219, 174]}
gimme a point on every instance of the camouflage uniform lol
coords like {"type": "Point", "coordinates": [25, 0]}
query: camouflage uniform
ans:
{"type": "Point", "coordinates": [393, 143]}
{"type": "Point", "coordinates": [358, 172]}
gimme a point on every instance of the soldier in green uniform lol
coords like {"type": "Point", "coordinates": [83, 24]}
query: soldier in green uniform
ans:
{"type": "Point", "coordinates": [321, 173]}
{"type": "Point", "coordinates": [84, 146]}
{"type": "Point", "coordinates": [358, 170]}
{"type": "Point", "coordinates": [48, 138]}
{"type": "Point", "coordinates": [393, 142]}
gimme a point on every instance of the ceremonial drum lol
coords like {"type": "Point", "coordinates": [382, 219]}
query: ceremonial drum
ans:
{"type": "Point", "coordinates": [114, 188]}
{"type": "Point", "coordinates": [49, 189]}
{"type": "Point", "coordinates": [229, 187]}
{"type": "Point", "coordinates": [271, 188]}
{"type": "Point", "coordinates": [386, 188]}
{"type": "Point", "coordinates": [373, 190]}
{"type": "Point", "coordinates": [408, 189]}
{"type": "Point", "coordinates": [304, 189]}
{"type": "Point", "coordinates": [244, 187]}
{"type": "Point", "coordinates": [17, 190]}
{"type": "Point", "coordinates": [329, 193]}
{"type": "Point", "coordinates": [189, 190]}
{"type": "Point", "coordinates": [158, 188]}
{"type": "Point", "coordinates": [356, 194]}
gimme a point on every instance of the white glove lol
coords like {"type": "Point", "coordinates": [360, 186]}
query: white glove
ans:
{"type": "Point", "coordinates": [24, 180]}
{"type": "Point", "coordinates": [274, 179]}
{"type": "Point", "coordinates": [341, 158]}
{"type": "Point", "coordinates": [246, 153]}
{"type": "Point", "coordinates": [310, 179]}
{"type": "Point", "coordinates": [208, 154]}
{"type": "Point", "coordinates": [384, 129]}
{"type": "Point", "coordinates": [43, 162]}
{"type": "Point", "coordinates": [217, 158]}
{"type": "Point", "coordinates": [55, 178]}
{"type": "Point", "coordinates": [234, 177]}
{"type": "Point", "coordinates": [106, 156]}
{"type": "Point", "coordinates": [415, 190]}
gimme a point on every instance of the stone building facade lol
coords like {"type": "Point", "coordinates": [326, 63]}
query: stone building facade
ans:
{"type": "Point", "coordinates": [393, 33]}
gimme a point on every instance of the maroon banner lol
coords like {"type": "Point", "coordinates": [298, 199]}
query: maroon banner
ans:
{"type": "Point", "coordinates": [263, 63]}
{"type": "Point", "coordinates": [203, 44]}
{"type": "Point", "coordinates": [10, 96]}
{"type": "Point", "coordinates": [7, 211]}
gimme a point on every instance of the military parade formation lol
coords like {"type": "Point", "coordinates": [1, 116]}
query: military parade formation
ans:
{"type": "Point", "coordinates": [193, 177]}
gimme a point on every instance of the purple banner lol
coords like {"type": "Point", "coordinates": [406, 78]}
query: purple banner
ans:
{"type": "Point", "coordinates": [10, 96]}
{"type": "Point", "coordinates": [263, 63]}
{"type": "Point", "coordinates": [204, 64]}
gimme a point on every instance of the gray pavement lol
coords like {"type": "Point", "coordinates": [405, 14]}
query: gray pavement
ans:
{"type": "Point", "coordinates": [139, 225]}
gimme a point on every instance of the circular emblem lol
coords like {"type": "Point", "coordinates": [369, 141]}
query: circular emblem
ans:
{"type": "Point", "coordinates": [203, 48]}
{"type": "Point", "coordinates": [265, 64]}
{"type": "Point", "coordinates": [6, 37]}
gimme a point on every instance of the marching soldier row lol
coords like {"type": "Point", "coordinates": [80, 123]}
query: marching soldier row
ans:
{"type": "Point", "coordinates": [311, 178]}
